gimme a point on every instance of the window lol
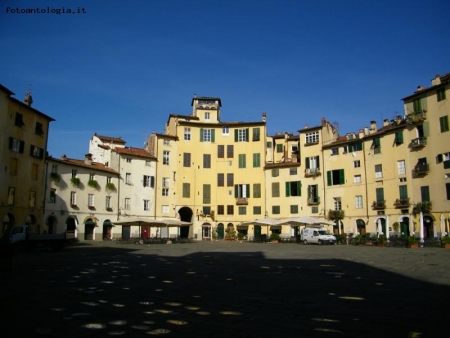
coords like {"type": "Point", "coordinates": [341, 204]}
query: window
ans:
{"type": "Point", "coordinates": [230, 209]}
{"type": "Point", "coordinates": [357, 146]}
{"type": "Point", "coordinates": [256, 210]}
{"type": "Point", "coordinates": [73, 198]}
{"type": "Point", "coordinates": [376, 145]}
{"type": "Point", "coordinates": [398, 137]}
{"type": "Point", "coordinates": [74, 173]}
{"type": "Point", "coordinates": [425, 193]}
{"type": "Point", "coordinates": [38, 130]}
{"type": "Point", "coordinates": [269, 144]}
{"type": "Point", "coordinates": [230, 151]}
{"type": "Point", "coordinates": [220, 180]}
{"type": "Point", "coordinates": [256, 135]}
{"type": "Point", "coordinates": [256, 190]}
{"type": "Point", "coordinates": [335, 177]}
{"type": "Point", "coordinates": [443, 122]}
{"type": "Point", "coordinates": [242, 211]}
{"type": "Point", "coordinates": [242, 161]}
{"type": "Point", "coordinates": [279, 148]}
{"type": "Point", "coordinates": [357, 164]}
{"type": "Point", "coordinates": [313, 194]}
{"type": "Point", "coordinates": [148, 163]}
{"type": "Point", "coordinates": [13, 166]}
{"type": "Point", "coordinates": [166, 142]}
{"type": "Point", "coordinates": [91, 177]}
{"type": "Point", "coordinates": [275, 189]}
{"type": "Point", "coordinates": [128, 178]}
{"type": "Point", "coordinates": [293, 188]}
{"type": "Point", "coordinates": [334, 151]}
{"type": "Point", "coordinates": [34, 172]}
{"type": "Point", "coordinates": [357, 179]}
{"type": "Point", "coordinates": [220, 210]}
{"type": "Point", "coordinates": [148, 181]}
{"type": "Point", "coordinates": [207, 115]}
{"type": "Point", "coordinates": [241, 135]}
{"type": "Point", "coordinates": [292, 171]}
{"type": "Point", "coordinates": [207, 161]}
{"type": "Point", "coordinates": [36, 152]}
{"type": "Point", "coordinates": [108, 202]}
{"type": "Point", "coordinates": [206, 210]}
{"type": "Point", "coordinates": [440, 94]}
{"type": "Point", "coordinates": [230, 180]}
{"type": "Point", "coordinates": [220, 151]}
{"type": "Point", "coordinates": [165, 182]}
{"type": "Point", "coordinates": [275, 209]}
{"type": "Point", "coordinates": [403, 192]}
{"type": "Point", "coordinates": [379, 195]}
{"type": "Point", "coordinates": [256, 160]}
{"type": "Point", "coordinates": [32, 199]}
{"type": "Point", "coordinates": [206, 193]}
{"type": "Point", "coordinates": [312, 164]}
{"type": "Point", "coordinates": [52, 196]}
{"type": "Point", "coordinates": [54, 168]}
{"type": "Point", "coordinates": [11, 194]}
{"type": "Point", "coordinates": [294, 209]}
{"type": "Point", "coordinates": [186, 190]}
{"type": "Point", "coordinates": [186, 160]}
{"type": "Point", "coordinates": [225, 130]}
{"type": "Point", "coordinates": [242, 190]}
{"type": "Point", "coordinates": [275, 172]}
{"type": "Point", "coordinates": [146, 205]}
{"type": "Point", "coordinates": [166, 154]}
{"type": "Point", "coordinates": [311, 138]}
{"type": "Point", "coordinates": [337, 203]}
{"type": "Point", "coordinates": [401, 169]}
{"type": "Point", "coordinates": [358, 202]}
{"type": "Point", "coordinates": [187, 133]}
{"type": "Point", "coordinates": [444, 158]}
{"type": "Point", "coordinates": [90, 200]}
{"type": "Point", "coordinates": [206, 135]}
{"type": "Point", "coordinates": [447, 188]}
{"type": "Point", "coordinates": [165, 209]}
{"type": "Point", "coordinates": [378, 171]}
{"type": "Point", "coordinates": [127, 203]}
{"type": "Point", "coordinates": [19, 120]}
{"type": "Point", "coordinates": [16, 146]}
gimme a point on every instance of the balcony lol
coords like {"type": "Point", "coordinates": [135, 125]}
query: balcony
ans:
{"type": "Point", "coordinates": [416, 117]}
{"type": "Point", "coordinates": [419, 142]}
{"type": "Point", "coordinates": [241, 201]}
{"type": "Point", "coordinates": [421, 169]}
{"type": "Point", "coordinates": [401, 203]}
{"type": "Point", "coordinates": [379, 205]}
{"type": "Point", "coordinates": [312, 172]}
{"type": "Point", "coordinates": [313, 200]}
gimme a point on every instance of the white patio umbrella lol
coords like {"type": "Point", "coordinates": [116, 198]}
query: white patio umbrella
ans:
{"type": "Point", "coordinates": [379, 229]}
{"type": "Point", "coordinates": [421, 227]}
{"type": "Point", "coordinates": [356, 228]}
{"type": "Point", "coordinates": [387, 227]}
{"type": "Point", "coordinates": [442, 225]}
{"type": "Point", "coordinates": [411, 226]}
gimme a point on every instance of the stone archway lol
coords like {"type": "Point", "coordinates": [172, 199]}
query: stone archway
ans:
{"type": "Point", "coordinates": [186, 214]}
{"type": "Point", "coordinates": [8, 222]}
{"type": "Point", "coordinates": [52, 224]}
{"type": "Point", "coordinates": [31, 221]}
{"type": "Point", "coordinates": [361, 226]}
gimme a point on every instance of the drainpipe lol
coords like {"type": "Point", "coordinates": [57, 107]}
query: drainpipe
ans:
{"type": "Point", "coordinates": [365, 182]}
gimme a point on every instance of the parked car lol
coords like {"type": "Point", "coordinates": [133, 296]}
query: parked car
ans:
{"type": "Point", "coordinates": [317, 236]}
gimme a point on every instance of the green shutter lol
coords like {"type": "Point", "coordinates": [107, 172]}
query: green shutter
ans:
{"type": "Point", "coordinates": [425, 193]}
{"type": "Point", "coordinates": [213, 135]}
{"type": "Point", "coordinates": [307, 162]}
{"type": "Point", "coordinates": [299, 188]}
{"type": "Point", "coordinates": [329, 180]}
{"type": "Point", "coordinates": [288, 189]}
{"type": "Point", "coordinates": [403, 190]}
{"type": "Point", "coordinates": [248, 190]}
{"type": "Point", "coordinates": [247, 133]}
{"type": "Point", "coordinates": [235, 135]}
{"type": "Point", "coordinates": [399, 137]}
{"type": "Point", "coordinates": [201, 134]}
{"type": "Point", "coordinates": [341, 177]}
{"type": "Point", "coordinates": [236, 191]}
{"type": "Point", "coordinates": [318, 162]}
{"type": "Point", "coordinates": [380, 194]}
{"type": "Point", "coordinates": [426, 129]}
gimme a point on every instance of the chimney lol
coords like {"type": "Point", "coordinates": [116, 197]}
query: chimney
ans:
{"type": "Point", "coordinates": [264, 117]}
{"type": "Point", "coordinates": [366, 131]}
{"type": "Point", "coordinates": [436, 81]}
{"type": "Point", "coordinates": [361, 133]}
{"type": "Point", "coordinates": [419, 88]}
{"type": "Point", "coordinates": [88, 159]}
{"type": "Point", "coordinates": [28, 100]}
{"type": "Point", "coordinates": [385, 122]}
{"type": "Point", "coordinates": [373, 126]}
{"type": "Point", "coordinates": [63, 157]}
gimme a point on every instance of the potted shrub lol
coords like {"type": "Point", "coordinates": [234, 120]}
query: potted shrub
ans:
{"type": "Point", "coordinates": [382, 239]}
{"type": "Point", "coordinates": [215, 234]}
{"type": "Point", "coordinates": [240, 236]}
{"type": "Point", "coordinates": [75, 181]}
{"type": "Point", "coordinates": [110, 187]}
{"type": "Point", "coordinates": [445, 242]}
{"type": "Point", "coordinates": [93, 184]}
{"type": "Point", "coordinates": [55, 177]}
{"type": "Point", "coordinates": [230, 234]}
{"type": "Point", "coordinates": [412, 242]}
{"type": "Point", "coordinates": [274, 238]}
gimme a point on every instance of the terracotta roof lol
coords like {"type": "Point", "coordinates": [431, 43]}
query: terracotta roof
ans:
{"type": "Point", "coordinates": [134, 152]}
{"type": "Point", "coordinates": [110, 139]}
{"type": "Point", "coordinates": [104, 147]}
{"type": "Point", "coordinates": [81, 163]}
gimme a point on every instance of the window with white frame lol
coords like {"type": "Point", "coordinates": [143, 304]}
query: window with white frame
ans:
{"type": "Point", "coordinates": [148, 181]}
{"type": "Point", "coordinates": [128, 178]}
{"type": "Point", "coordinates": [54, 168]}
{"type": "Point", "coordinates": [148, 163]}
{"type": "Point", "coordinates": [108, 202]}
{"type": "Point", "coordinates": [357, 179]}
{"type": "Point", "coordinates": [312, 137]}
{"type": "Point", "coordinates": [146, 205]}
{"type": "Point", "coordinates": [166, 154]}
{"type": "Point", "coordinates": [401, 169]}
{"type": "Point", "coordinates": [73, 198]}
{"type": "Point", "coordinates": [165, 209]}
{"type": "Point", "coordinates": [356, 164]}
{"type": "Point", "coordinates": [91, 177]}
{"type": "Point", "coordinates": [337, 203]}
{"type": "Point", "coordinates": [358, 202]}
{"type": "Point", "coordinates": [207, 115]}
{"type": "Point", "coordinates": [187, 133]}
{"type": "Point", "coordinates": [90, 200]}
{"type": "Point", "coordinates": [127, 203]}
{"type": "Point", "coordinates": [242, 135]}
{"type": "Point", "coordinates": [378, 170]}
{"type": "Point", "coordinates": [128, 160]}
{"type": "Point", "coordinates": [225, 130]}
{"type": "Point", "coordinates": [74, 173]}
{"type": "Point", "coordinates": [108, 179]}
{"type": "Point", "coordinates": [53, 196]}
{"type": "Point", "coordinates": [165, 184]}
{"type": "Point", "coordinates": [206, 135]}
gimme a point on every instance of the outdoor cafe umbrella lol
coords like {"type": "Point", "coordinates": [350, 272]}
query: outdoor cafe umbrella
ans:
{"type": "Point", "coordinates": [421, 227]}
{"type": "Point", "coordinates": [137, 221]}
{"type": "Point", "coordinates": [442, 225]}
{"type": "Point", "coordinates": [387, 228]}
{"type": "Point", "coordinates": [379, 229]}
{"type": "Point", "coordinates": [265, 221]}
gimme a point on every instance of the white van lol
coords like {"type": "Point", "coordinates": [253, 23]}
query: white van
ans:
{"type": "Point", "coordinates": [317, 236]}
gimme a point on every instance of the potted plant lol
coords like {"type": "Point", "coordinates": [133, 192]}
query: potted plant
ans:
{"type": "Point", "coordinates": [240, 236]}
{"type": "Point", "coordinates": [55, 177]}
{"type": "Point", "coordinates": [75, 181]}
{"type": "Point", "coordinates": [412, 242]}
{"type": "Point", "coordinates": [382, 239]}
{"type": "Point", "coordinates": [93, 184]}
{"type": "Point", "coordinates": [110, 187]}
{"type": "Point", "coordinates": [215, 234]}
{"type": "Point", "coordinates": [445, 242]}
{"type": "Point", "coordinates": [274, 238]}
{"type": "Point", "coordinates": [230, 234]}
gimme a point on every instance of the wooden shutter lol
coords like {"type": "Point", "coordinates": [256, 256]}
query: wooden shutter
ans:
{"type": "Point", "coordinates": [380, 194]}
{"type": "Point", "coordinates": [288, 189]}
{"type": "Point", "coordinates": [341, 177]}
{"type": "Point", "coordinates": [426, 129]}
{"type": "Point", "coordinates": [403, 190]}
{"type": "Point", "coordinates": [307, 162]}
{"type": "Point", "coordinates": [213, 135]}
{"type": "Point", "coordinates": [299, 188]}
{"type": "Point", "coordinates": [201, 134]}
{"type": "Point", "coordinates": [329, 178]}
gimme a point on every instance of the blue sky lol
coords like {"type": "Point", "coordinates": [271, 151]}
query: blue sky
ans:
{"type": "Point", "coordinates": [122, 67]}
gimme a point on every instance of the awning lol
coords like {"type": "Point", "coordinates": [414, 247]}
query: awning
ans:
{"type": "Point", "coordinates": [275, 227]}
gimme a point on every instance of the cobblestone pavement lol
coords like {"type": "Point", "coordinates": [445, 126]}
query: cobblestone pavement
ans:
{"type": "Point", "coordinates": [223, 289]}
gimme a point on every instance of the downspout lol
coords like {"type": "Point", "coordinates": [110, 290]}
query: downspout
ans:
{"type": "Point", "coordinates": [118, 190]}
{"type": "Point", "coordinates": [365, 182]}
